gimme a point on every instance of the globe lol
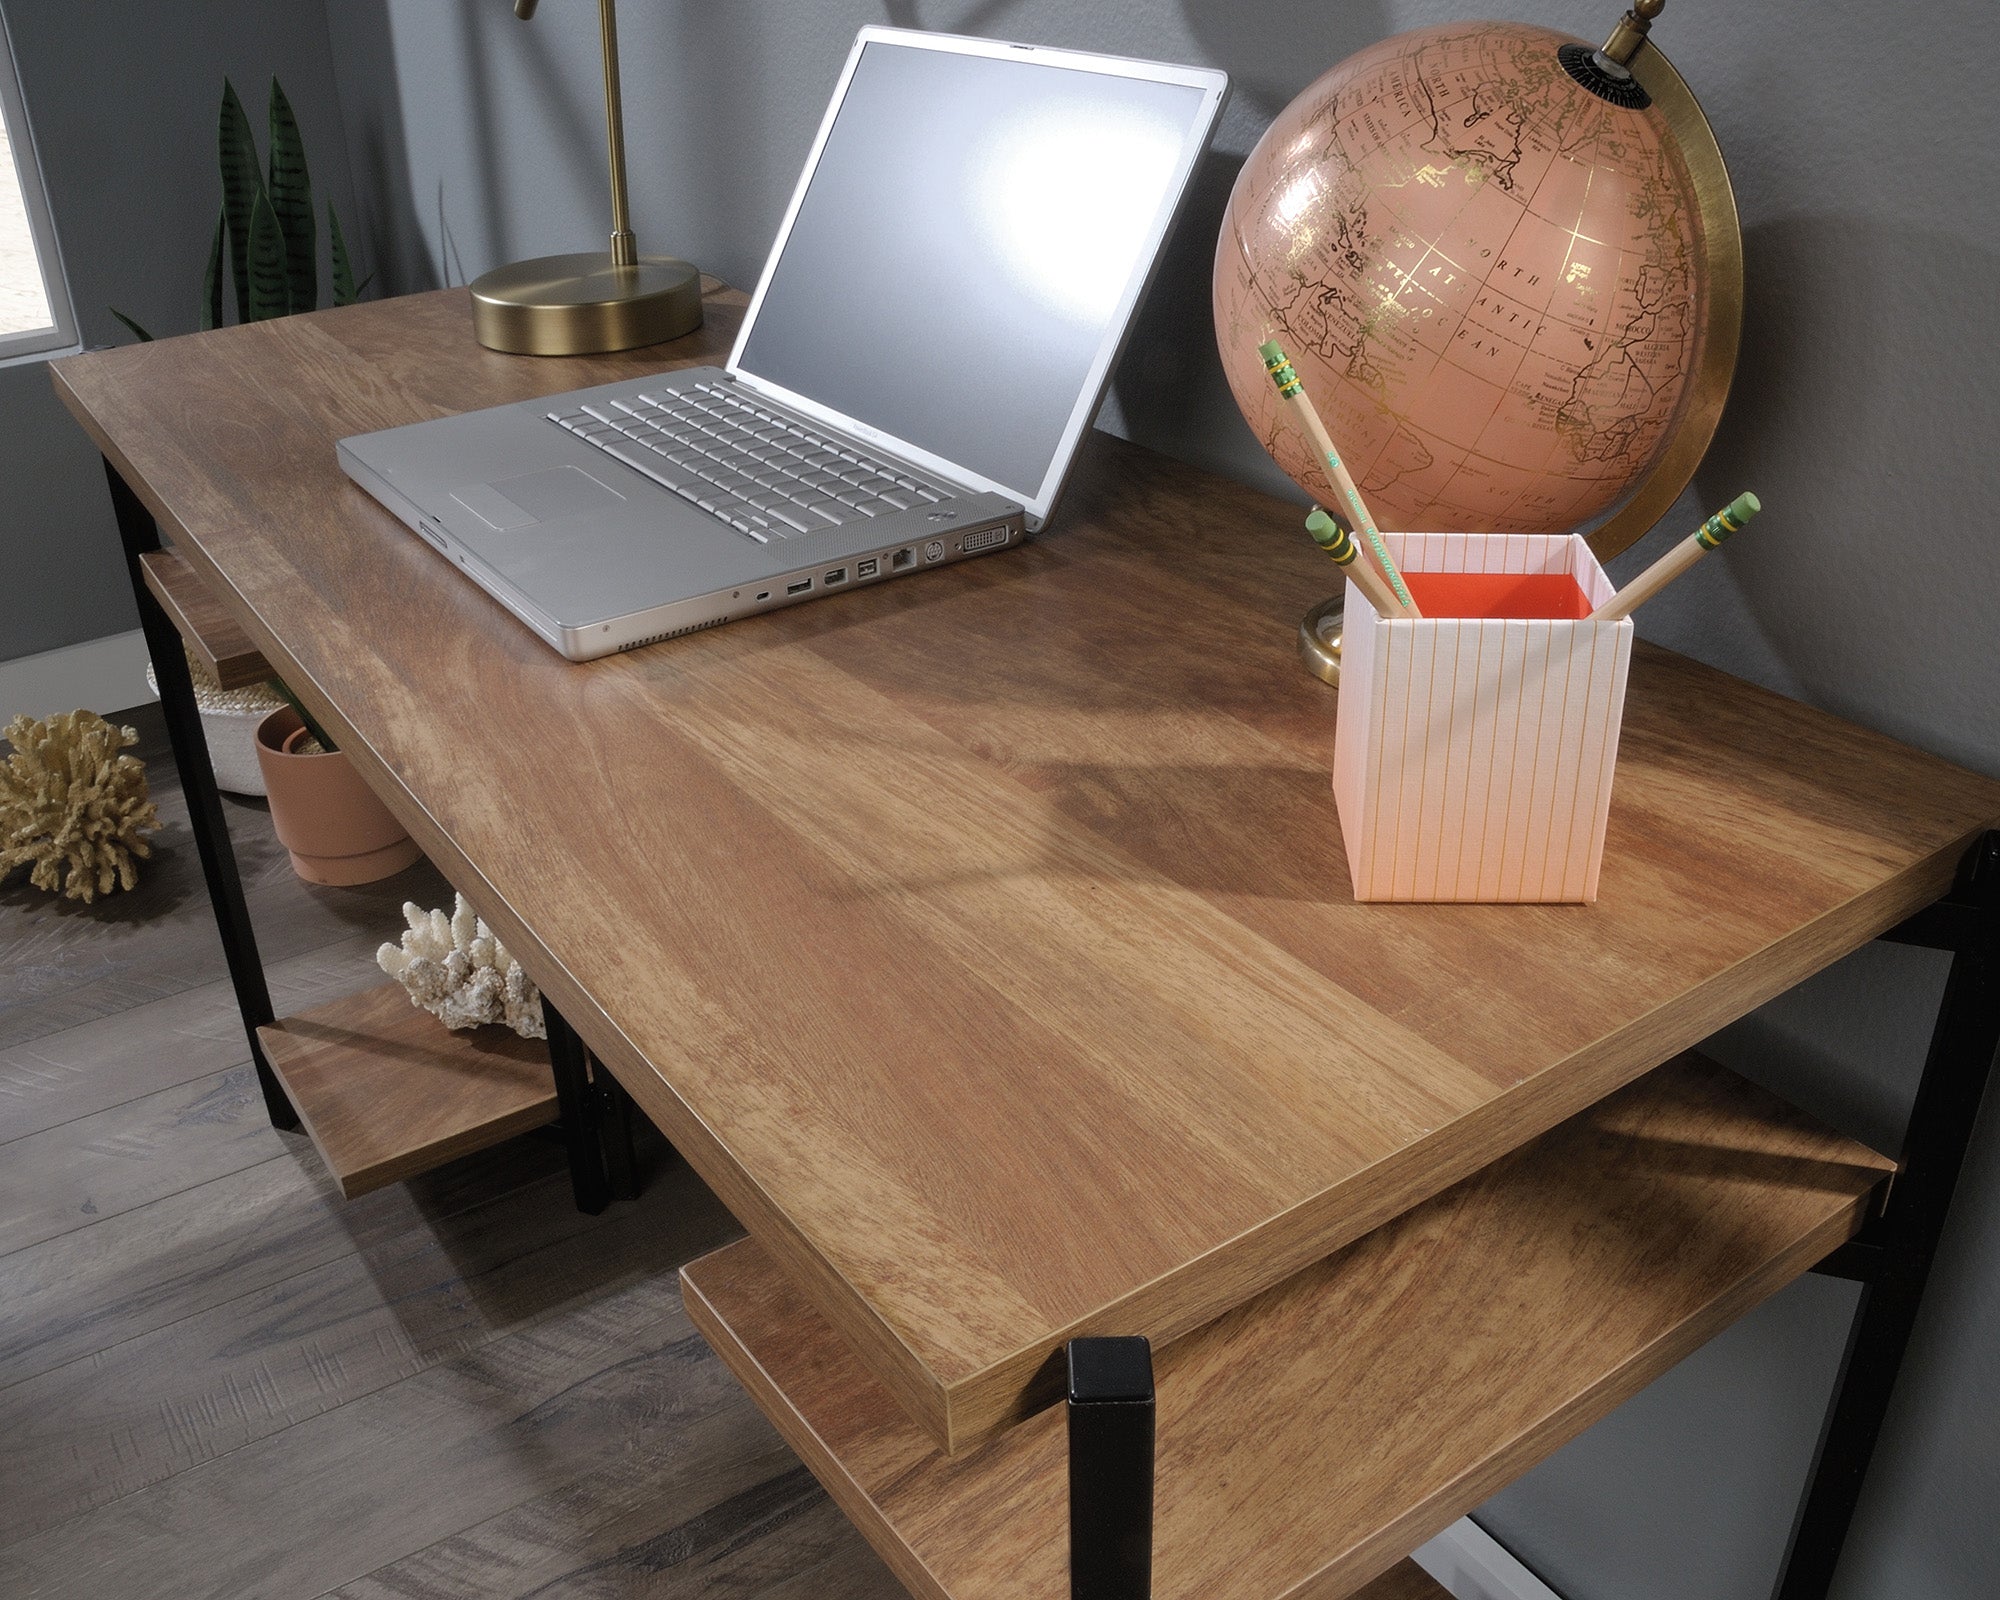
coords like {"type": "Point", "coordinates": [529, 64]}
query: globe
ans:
{"type": "Point", "coordinates": [1490, 279]}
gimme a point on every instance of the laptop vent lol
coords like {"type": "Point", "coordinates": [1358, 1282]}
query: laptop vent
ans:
{"type": "Point", "coordinates": [672, 633]}
{"type": "Point", "coordinates": [984, 539]}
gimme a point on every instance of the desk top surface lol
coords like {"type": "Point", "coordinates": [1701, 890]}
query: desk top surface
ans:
{"type": "Point", "coordinates": [985, 940]}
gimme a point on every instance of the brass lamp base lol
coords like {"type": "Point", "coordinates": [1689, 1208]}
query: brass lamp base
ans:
{"type": "Point", "coordinates": [579, 305]}
{"type": "Point", "coordinates": [1319, 639]}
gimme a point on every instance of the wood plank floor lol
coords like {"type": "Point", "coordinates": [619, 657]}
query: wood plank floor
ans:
{"type": "Point", "coordinates": [219, 1379]}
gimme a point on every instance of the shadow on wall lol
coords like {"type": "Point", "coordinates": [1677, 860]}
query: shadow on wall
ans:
{"type": "Point", "coordinates": [726, 166]}
{"type": "Point", "coordinates": [1169, 390]}
{"type": "Point", "coordinates": [908, 14]}
{"type": "Point", "coordinates": [1271, 52]}
{"type": "Point", "coordinates": [1872, 579]}
{"type": "Point", "coordinates": [379, 154]}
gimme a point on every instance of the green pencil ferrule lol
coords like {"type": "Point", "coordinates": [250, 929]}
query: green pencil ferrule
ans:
{"type": "Point", "coordinates": [1280, 368]}
{"type": "Point", "coordinates": [1728, 520]}
{"type": "Point", "coordinates": [1284, 377]}
{"type": "Point", "coordinates": [1331, 537]}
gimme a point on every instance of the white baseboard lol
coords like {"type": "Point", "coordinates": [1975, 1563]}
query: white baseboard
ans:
{"type": "Point", "coordinates": [102, 675]}
{"type": "Point", "coordinates": [1473, 1565]}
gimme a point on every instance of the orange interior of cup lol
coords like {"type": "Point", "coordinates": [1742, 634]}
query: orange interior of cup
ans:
{"type": "Point", "coordinates": [1516, 595]}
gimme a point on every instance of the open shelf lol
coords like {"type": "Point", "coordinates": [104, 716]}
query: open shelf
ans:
{"type": "Point", "coordinates": [387, 1091]}
{"type": "Point", "coordinates": [1321, 1431]}
{"type": "Point", "coordinates": [211, 633]}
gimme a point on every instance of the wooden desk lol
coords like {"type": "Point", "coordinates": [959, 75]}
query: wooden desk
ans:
{"type": "Point", "coordinates": [985, 940]}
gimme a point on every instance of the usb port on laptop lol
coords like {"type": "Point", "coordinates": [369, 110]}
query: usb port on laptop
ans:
{"type": "Point", "coordinates": [836, 575]}
{"type": "Point", "coordinates": [800, 587]}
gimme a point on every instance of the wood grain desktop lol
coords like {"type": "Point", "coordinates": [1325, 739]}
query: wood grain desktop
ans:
{"type": "Point", "coordinates": [985, 940]}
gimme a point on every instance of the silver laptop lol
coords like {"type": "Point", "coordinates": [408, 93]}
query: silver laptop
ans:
{"type": "Point", "coordinates": [933, 332]}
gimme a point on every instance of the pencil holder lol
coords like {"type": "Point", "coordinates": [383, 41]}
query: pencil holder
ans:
{"type": "Point", "coordinates": [1475, 745]}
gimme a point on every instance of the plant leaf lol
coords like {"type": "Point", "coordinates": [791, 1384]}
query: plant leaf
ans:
{"type": "Point", "coordinates": [242, 183]}
{"type": "Point", "coordinates": [144, 336]}
{"type": "Point", "coordinates": [344, 292]}
{"type": "Point", "coordinates": [270, 295]}
{"type": "Point", "coordinates": [291, 199]}
{"type": "Point", "coordinates": [211, 280]}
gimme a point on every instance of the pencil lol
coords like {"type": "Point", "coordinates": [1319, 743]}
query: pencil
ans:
{"type": "Point", "coordinates": [1344, 487]}
{"type": "Point", "coordinates": [1331, 537]}
{"type": "Point", "coordinates": [1677, 560]}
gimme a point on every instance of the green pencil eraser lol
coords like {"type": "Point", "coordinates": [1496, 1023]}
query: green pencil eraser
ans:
{"type": "Point", "coordinates": [1745, 506]}
{"type": "Point", "coordinates": [1322, 527]}
{"type": "Point", "coordinates": [1269, 350]}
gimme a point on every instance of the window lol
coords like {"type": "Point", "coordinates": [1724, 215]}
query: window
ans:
{"type": "Point", "coordinates": [35, 312]}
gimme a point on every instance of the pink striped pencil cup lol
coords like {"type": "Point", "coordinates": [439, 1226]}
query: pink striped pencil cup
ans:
{"type": "Point", "coordinates": [1475, 746]}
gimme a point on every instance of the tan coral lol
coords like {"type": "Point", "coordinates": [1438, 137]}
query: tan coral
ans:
{"type": "Point", "coordinates": [73, 807]}
{"type": "Point", "coordinates": [454, 968]}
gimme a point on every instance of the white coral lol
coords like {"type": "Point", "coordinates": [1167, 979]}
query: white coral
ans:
{"type": "Point", "coordinates": [454, 968]}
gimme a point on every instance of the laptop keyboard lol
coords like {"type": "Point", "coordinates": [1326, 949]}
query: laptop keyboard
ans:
{"type": "Point", "coordinates": [769, 476]}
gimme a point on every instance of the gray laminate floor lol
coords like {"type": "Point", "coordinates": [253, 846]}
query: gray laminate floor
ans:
{"type": "Point", "coordinates": [217, 1378]}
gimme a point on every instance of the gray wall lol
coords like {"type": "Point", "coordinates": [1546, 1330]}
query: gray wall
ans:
{"type": "Point", "coordinates": [122, 101]}
{"type": "Point", "coordinates": [1863, 150]}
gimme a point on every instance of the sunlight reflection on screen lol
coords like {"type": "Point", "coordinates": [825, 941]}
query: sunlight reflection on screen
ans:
{"type": "Point", "coordinates": [1066, 197]}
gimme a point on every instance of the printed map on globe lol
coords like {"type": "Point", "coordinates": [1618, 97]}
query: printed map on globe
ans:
{"type": "Point", "coordinates": [1488, 279]}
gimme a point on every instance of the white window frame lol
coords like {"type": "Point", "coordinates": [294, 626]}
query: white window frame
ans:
{"type": "Point", "coordinates": [62, 335]}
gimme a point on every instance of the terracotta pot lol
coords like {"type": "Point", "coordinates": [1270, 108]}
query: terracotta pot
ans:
{"type": "Point", "coordinates": [330, 821]}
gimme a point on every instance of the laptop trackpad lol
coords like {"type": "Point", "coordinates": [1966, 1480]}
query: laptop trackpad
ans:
{"type": "Point", "coordinates": [536, 497]}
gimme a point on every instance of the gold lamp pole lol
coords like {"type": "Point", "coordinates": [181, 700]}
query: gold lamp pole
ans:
{"type": "Point", "coordinates": [592, 301]}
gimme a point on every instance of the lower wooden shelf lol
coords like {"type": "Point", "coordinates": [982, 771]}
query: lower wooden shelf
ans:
{"type": "Point", "coordinates": [210, 631]}
{"type": "Point", "coordinates": [1316, 1434]}
{"type": "Point", "coordinates": [386, 1091]}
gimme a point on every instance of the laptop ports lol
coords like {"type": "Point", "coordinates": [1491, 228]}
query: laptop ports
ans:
{"type": "Point", "coordinates": [836, 575]}
{"type": "Point", "coordinates": [868, 568]}
{"type": "Point", "coordinates": [902, 559]}
{"type": "Point", "coordinates": [800, 587]}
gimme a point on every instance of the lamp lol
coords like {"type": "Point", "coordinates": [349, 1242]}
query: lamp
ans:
{"type": "Point", "coordinates": [592, 301]}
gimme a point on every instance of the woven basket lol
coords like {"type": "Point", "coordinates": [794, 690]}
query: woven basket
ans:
{"type": "Point", "coordinates": [229, 719]}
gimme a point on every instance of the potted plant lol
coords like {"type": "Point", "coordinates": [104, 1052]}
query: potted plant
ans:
{"type": "Point", "coordinates": [328, 820]}
{"type": "Point", "coordinates": [265, 229]}
{"type": "Point", "coordinates": [266, 242]}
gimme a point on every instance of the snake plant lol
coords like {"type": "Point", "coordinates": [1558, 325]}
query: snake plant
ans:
{"type": "Point", "coordinates": [266, 225]}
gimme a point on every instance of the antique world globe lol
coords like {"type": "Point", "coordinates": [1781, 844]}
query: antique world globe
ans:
{"type": "Point", "coordinates": [1506, 266]}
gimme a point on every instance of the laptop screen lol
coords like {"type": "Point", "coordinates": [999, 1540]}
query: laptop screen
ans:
{"type": "Point", "coordinates": [967, 248]}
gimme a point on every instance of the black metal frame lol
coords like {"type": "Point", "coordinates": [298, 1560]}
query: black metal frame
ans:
{"type": "Point", "coordinates": [596, 1112]}
{"type": "Point", "coordinates": [140, 534]}
{"type": "Point", "coordinates": [1111, 1410]}
{"type": "Point", "coordinates": [1891, 1258]}
{"type": "Point", "coordinates": [596, 1119]}
{"type": "Point", "coordinates": [1111, 1448]}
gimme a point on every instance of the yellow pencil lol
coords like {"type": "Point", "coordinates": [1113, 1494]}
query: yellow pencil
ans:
{"type": "Point", "coordinates": [1331, 537]}
{"type": "Point", "coordinates": [1677, 560]}
{"type": "Point", "coordinates": [1344, 487]}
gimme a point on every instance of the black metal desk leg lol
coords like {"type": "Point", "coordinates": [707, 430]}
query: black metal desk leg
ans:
{"type": "Point", "coordinates": [577, 1104]}
{"type": "Point", "coordinates": [1110, 1469]}
{"type": "Point", "coordinates": [1896, 1251]}
{"type": "Point", "coordinates": [621, 1154]}
{"type": "Point", "coordinates": [140, 534]}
